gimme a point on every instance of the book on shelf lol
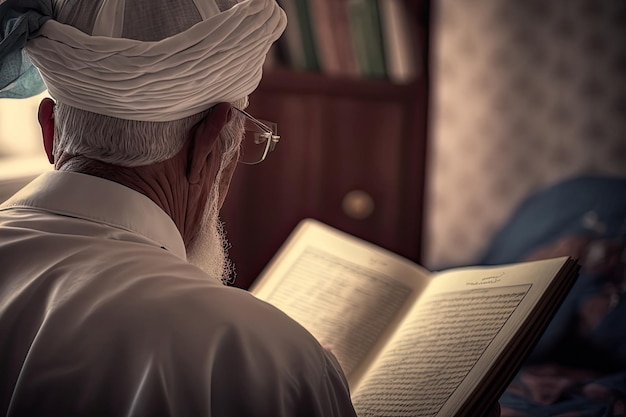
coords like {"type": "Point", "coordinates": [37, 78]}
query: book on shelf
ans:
{"type": "Point", "coordinates": [413, 342]}
{"type": "Point", "coordinates": [321, 28]}
{"type": "Point", "coordinates": [291, 41]}
{"type": "Point", "coordinates": [399, 43]}
{"type": "Point", "coordinates": [367, 38]}
{"type": "Point", "coordinates": [329, 22]}
{"type": "Point", "coordinates": [298, 37]}
{"type": "Point", "coordinates": [306, 31]}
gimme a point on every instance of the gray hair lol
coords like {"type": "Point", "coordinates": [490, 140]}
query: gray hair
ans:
{"type": "Point", "coordinates": [128, 143]}
{"type": "Point", "coordinates": [115, 141]}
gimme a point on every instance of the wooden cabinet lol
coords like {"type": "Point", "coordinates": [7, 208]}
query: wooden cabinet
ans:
{"type": "Point", "coordinates": [351, 155]}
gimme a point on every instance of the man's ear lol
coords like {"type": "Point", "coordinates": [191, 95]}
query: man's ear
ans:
{"type": "Point", "coordinates": [46, 121]}
{"type": "Point", "coordinates": [204, 139]}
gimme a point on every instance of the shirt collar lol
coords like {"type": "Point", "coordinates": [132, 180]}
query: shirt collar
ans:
{"type": "Point", "coordinates": [103, 201]}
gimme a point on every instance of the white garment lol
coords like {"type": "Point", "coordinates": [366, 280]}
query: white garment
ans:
{"type": "Point", "coordinates": [100, 314]}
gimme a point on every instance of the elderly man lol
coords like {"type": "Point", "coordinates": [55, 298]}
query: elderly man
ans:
{"type": "Point", "coordinates": [111, 294]}
{"type": "Point", "coordinates": [111, 300]}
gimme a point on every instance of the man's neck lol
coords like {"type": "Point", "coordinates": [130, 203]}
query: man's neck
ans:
{"type": "Point", "coordinates": [161, 182]}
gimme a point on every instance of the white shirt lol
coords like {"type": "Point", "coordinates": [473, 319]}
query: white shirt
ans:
{"type": "Point", "coordinates": [100, 314]}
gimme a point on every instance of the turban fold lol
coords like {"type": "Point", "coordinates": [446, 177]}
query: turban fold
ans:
{"type": "Point", "coordinates": [219, 59]}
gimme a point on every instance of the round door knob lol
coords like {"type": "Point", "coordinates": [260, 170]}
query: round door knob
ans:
{"type": "Point", "coordinates": [358, 205]}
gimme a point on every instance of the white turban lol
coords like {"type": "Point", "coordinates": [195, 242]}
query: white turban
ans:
{"type": "Point", "coordinates": [219, 59]}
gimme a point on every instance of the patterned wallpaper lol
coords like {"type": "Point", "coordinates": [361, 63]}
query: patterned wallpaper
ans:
{"type": "Point", "coordinates": [525, 93]}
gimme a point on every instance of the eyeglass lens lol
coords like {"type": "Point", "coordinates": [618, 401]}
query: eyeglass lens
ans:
{"type": "Point", "coordinates": [256, 143]}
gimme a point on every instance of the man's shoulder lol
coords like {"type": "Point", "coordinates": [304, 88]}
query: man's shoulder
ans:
{"type": "Point", "coordinates": [183, 303]}
{"type": "Point", "coordinates": [195, 300]}
{"type": "Point", "coordinates": [226, 330]}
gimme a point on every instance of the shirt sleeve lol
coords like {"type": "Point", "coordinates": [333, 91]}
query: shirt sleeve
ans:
{"type": "Point", "coordinates": [306, 384]}
{"type": "Point", "coordinates": [247, 359]}
{"type": "Point", "coordinates": [338, 401]}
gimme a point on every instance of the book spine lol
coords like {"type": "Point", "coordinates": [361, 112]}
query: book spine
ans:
{"type": "Point", "coordinates": [306, 33]}
{"type": "Point", "coordinates": [291, 41]}
{"type": "Point", "coordinates": [367, 37]}
{"type": "Point", "coordinates": [398, 44]}
{"type": "Point", "coordinates": [376, 51]}
{"type": "Point", "coordinates": [325, 42]}
{"type": "Point", "coordinates": [356, 21]}
{"type": "Point", "coordinates": [342, 38]}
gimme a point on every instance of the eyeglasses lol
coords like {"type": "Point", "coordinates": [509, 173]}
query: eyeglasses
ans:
{"type": "Point", "coordinates": [260, 138]}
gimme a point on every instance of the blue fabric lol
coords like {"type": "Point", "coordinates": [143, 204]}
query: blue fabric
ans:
{"type": "Point", "coordinates": [594, 209]}
{"type": "Point", "coordinates": [22, 77]}
{"type": "Point", "coordinates": [559, 211]}
{"type": "Point", "coordinates": [20, 20]}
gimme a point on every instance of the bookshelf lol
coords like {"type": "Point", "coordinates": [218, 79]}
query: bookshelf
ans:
{"type": "Point", "coordinates": [352, 155]}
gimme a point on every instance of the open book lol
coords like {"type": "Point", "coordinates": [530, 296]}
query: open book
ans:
{"type": "Point", "coordinates": [412, 342]}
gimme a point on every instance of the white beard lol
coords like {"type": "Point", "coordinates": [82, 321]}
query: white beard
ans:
{"type": "Point", "coordinates": [208, 251]}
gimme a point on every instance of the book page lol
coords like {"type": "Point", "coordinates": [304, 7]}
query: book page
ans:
{"type": "Point", "coordinates": [449, 338]}
{"type": "Point", "coordinates": [452, 330]}
{"type": "Point", "coordinates": [347, 293]}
